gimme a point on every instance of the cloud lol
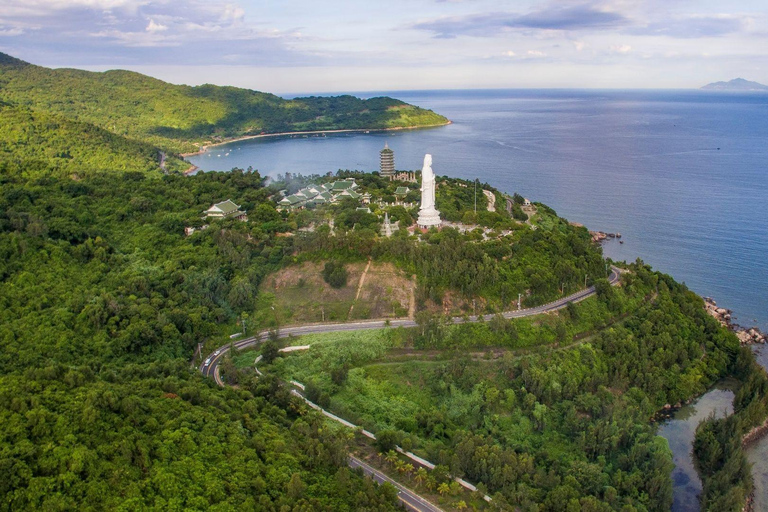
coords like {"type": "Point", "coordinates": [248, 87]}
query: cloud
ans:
{"type": "Point", "coordinates": [622, 48]}
{"type": "Point", "coordinates": [130, 32]}
{"type": "Point", "coordinates": [570, 18]}
{"type": "Point", "coordinates": [695, 26]}
{"type": "Point", "coordinates": [155, 27]}
{"type": "Point", "coordinates": [11, 32]}
{"type": "Point", "coordinates": [536, 54]}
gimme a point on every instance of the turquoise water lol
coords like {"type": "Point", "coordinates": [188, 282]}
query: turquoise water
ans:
{"type": "Point", "coordinates": [682, 175]}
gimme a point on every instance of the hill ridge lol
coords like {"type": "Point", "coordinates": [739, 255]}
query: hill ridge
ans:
{"type": "Point", "coordinates": [181, 118]}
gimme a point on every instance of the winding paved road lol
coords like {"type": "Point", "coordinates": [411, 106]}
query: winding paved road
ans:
{"type": "Point", "coordinates": [210, 367]}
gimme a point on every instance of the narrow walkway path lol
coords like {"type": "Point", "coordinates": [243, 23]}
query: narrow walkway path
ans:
{"type": "Point", "coordinates": [412, 301]}
{"type": "Point", "coordinates": [359, 288]}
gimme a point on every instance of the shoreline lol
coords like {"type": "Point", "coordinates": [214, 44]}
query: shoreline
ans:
{"type": "Point", "coordinates": [205, 148]}
{"type": "Point", "coordinates": [746, 335]}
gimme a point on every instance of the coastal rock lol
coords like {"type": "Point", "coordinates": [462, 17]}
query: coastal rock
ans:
{"type": "Point", "coordinates": [745, 335]}
{"type": "Point", "coordinates": [601, 236]}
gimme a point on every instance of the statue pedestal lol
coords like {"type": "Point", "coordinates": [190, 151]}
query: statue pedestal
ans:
{"type": "Point", "coordinates": [428, 218]}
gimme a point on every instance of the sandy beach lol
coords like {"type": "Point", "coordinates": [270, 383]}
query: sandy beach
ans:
{"type": "Point", "coordinates": [312, 132]}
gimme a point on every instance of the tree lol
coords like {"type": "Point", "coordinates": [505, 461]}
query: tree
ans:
{"type": "Point", "coordinates": [335, 274]}
{"type": "Point", "coordinates": [270, 350]}
{"type": "Point", "coordinates": [421, 475]}
{"type": "Point", "coordinates": [387, 440]}
{"type": "Point", "coordinates": [295, 486]}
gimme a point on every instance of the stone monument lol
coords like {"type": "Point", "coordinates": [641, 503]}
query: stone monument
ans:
{"type": "Point", "coordinates": [428, 216]}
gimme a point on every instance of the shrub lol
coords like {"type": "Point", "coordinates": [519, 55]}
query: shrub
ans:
{"type": "Point", "coordinates": [335, 274]}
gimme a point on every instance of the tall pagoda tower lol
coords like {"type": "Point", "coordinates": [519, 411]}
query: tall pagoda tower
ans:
{"type": "Point", "coordinates": [387, 169]}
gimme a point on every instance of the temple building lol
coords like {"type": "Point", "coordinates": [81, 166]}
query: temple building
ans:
{"type": "Point", "coordinates": [387, 169]}
{"type": "Point", "coordinates": [226, 209]}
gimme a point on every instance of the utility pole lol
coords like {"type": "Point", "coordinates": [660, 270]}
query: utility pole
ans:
{"type": "Point", "coordinates": [322, 310]}
{"type": "Point", "coordinates": [585, 280]}
{"type": "Point", "coordinates": [475, 195]}
{"type": "Point", "coordinates": [519, 297]}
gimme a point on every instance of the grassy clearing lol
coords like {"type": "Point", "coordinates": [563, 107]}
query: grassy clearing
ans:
{"type": "Point", "coordinates": [332, 350]}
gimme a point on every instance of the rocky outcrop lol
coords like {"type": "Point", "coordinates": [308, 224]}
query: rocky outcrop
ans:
{"type": "Point", "coordinates": [601, 236]}
{"type": "Point", "coordinates": [747, 336]}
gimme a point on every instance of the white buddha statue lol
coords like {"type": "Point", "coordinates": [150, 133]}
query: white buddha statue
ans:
{"type": "Point", "coordinates": [428, 215]}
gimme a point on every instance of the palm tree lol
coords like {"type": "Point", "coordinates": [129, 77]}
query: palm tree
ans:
{"type": "Point", "coordinates": [391, 457]}
{"type": "Point", "coordinates": [444, 488]}
{"type": "Point", "coordinates": [421, 476]}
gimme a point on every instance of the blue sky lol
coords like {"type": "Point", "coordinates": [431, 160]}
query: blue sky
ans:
{"type": "Point", "coordinates": [341, 45]}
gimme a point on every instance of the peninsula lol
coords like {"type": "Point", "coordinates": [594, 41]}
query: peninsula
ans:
{"type": "Point", "coordinates": [123, 108]}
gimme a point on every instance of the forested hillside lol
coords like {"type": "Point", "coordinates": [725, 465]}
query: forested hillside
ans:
{"type": "Point", "coordinates": [550, 414]}
{"type": "Point", "coordinates": [102, 303]}
{"type": "Point", "coordinates": [174, 117]}
{"type": "Point", "coordinates": [38, 143]}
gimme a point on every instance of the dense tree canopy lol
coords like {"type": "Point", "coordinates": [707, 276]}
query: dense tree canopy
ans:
{"type": "Point", "coordinates": [174, 116]}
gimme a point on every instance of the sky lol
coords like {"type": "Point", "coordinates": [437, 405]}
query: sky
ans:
{"type": "Point", "coordinates": [302, 46]}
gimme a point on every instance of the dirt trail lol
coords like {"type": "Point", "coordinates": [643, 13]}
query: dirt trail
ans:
{"type": "Point", "coordinates": [360, 287]}
{"type": "Point", "coordinates": [412, 302]}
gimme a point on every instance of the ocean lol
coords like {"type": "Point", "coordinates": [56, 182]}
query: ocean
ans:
{"type": "Point", "coordinates": [682, 175]}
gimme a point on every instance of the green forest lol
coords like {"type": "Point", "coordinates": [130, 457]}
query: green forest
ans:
{"type": "Point", "coordinates": [103, 302]}
{"type": "Point", "coordinates": [107, 307]}
{"type": "Point", "coordinates": [560, 426]}
{"type": "Point", "coordinates": [179, 118]}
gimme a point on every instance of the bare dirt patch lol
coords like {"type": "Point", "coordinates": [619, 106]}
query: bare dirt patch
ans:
{"type": "Point", "coordinates": [302, 296]}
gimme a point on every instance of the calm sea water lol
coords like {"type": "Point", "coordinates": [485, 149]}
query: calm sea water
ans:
{"type": "Point", "coordinates": [682, 175]}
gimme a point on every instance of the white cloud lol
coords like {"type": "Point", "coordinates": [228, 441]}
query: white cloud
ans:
{"type": "Point", "coordinates": [156, 27]}
{"type": "Point", "coordinates": [510, 53]}
{"type": "Point", "coordinates": [579, 45]}
{"type": "Point", "coordinates": [536, 54]}
{"type": "Point", "coordinates": [622, 48]}
{"type": "Point", "coordinates": [11, 32]}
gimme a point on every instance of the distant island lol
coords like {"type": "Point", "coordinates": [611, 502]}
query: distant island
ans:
{"type": "Point", "coordinates": [737, 84]}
